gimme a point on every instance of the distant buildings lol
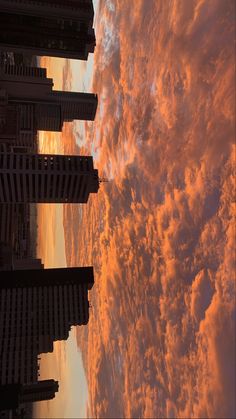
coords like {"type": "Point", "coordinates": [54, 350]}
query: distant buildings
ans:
{"type": "Point", "coordinates": [48, 27]}
{"type": "Point", "coordinates": [37, 308]}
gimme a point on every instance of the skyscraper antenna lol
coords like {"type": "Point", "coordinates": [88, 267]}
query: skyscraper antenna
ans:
{"type": "Point", "coordinates": [103, 180]}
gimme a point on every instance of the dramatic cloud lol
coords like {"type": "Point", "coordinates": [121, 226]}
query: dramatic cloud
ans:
{"type": "Point", "coordinates": [160, 233]}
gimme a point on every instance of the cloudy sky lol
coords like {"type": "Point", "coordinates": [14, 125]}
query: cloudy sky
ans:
{"type": "Point", "coordinates": [160, 234]}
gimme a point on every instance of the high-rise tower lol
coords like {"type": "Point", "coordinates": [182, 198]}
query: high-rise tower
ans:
{"type": "Point", "coordinates": [38, 178]}
{"type": "Point", "coordinates": [41, 390]}
{"type": "Point", "coordinates": [13, 395]}
{"type": "Point", "coordinates": [60, 28]}
{"type": "Point", "coordinates": [38, 307]}
{"type": "Point", "coordinates": [27, 93]}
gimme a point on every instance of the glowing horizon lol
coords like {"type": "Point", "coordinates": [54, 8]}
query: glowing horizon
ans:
{"type": "Point", "coordinates": [65, 363]}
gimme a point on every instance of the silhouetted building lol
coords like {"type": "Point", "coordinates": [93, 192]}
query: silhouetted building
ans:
{"type": "Point", "coordinates": [6, 257]}
{"type": "Point", "coordinates": [36, 392]}
{"type": "Point", "coordinates": [9, 396]}
{"type": "Point", "coordinates": [17, 125]}
{"type": "Point", "coordinates": [28, 103]}
{"type": "Point", "coordinates": [15, 228]}
{"type": "Point", "coordinates": [38, 307]}
{"type": "Point", "coordinates": [13, 395]}
{"type": "Point", "coordinates": [46, 27]}
{"type": "Point", "coordinates": [41, 178]}
{"type": "Point", "coordinates": [11, 261]}
{"type": "Point", "coordinates": [27, 263]}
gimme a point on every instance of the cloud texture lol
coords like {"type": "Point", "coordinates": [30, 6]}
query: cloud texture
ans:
{"type": "Point", "coordinates": [161, 336]}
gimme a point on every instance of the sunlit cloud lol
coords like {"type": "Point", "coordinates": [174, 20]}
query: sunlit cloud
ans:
{"type": "Point", "coordinates": [161, 335]}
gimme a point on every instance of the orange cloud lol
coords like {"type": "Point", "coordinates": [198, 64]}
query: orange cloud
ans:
{"type": "Point", "coordinates": [160, 340]}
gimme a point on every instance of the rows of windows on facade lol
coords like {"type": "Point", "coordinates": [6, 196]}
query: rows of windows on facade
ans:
{"type": "Point", "coordinates": [38, 306]}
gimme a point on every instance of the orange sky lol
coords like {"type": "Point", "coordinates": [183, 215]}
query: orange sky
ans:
{"type": "Point", "coordinates": [160, 235]}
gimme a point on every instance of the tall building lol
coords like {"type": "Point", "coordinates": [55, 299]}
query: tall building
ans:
{"type": "Point", "coordinates": [13, 395]}
{"type": "Point", "coordinates": [38, 307]}
{"type": "Point", "coordinates": [15, 228]}
{"type": "Point", "coordinates": [17, 125]}
{"type": "Point", "coordinates": [27, 263]}
{"type": "Point", "coordinates": [10, 260]}
{"type": "Point", "coordinates": [48, 27]}
{"type": "Point", "coordinates": [38, 178]}
{"type": "Point", "coordinates": [6, 257]}
{"type": "Point", "coordinates": [30, 103]}
{"type": "Point", "coordinates": [36, 392]}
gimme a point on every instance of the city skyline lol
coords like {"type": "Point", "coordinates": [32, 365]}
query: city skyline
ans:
{"type": "Point", "coordinates": [28, 103]}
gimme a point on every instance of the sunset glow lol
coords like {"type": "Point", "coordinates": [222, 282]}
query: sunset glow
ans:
{"type": "Point", "coordinates": [160, 233]}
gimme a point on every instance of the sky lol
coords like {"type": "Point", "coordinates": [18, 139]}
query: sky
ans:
{"type": "Point", "coordinates": [65, 363]}
{"type": "Point", "coordinates": [160, 234]}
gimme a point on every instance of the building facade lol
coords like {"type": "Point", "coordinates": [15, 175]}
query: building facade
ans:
{"type": "Point", "coordinates": [48, 27]}
{"type": "Point", "coordinates": [37, 308]}
{"type": "Point", "coordinates": [36, 392]}
{"type": "Point", "coordinates": [39, 178]}
{"type": "Point", "coordinates": [28, 103]}
{"type": "Point", "coordinates": [15, 226]}
{"type": "Point", "coordinates": [28, 100]}
{"type": "Point", "coordinates": [14, 395]}
{"type": "Point", "coordinates": [27, 263]}
{"type": "Point", "coordinates": [17, 124]}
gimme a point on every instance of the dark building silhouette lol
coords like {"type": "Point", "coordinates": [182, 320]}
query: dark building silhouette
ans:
{"type": "Point", "coordinates": [9, 396]}
{"type": "Point", "coordinates": [35, 178]}
{"type": "Point", "coordinates": [28, 103]}
{"type": "Point", "coordinates": [13, 395]}
{"type": "Point", "coordinates": [45, 27]}
{"type": "Point", "coordinates": [36, 392]}
{"type": "Point", "coordinates": [10, 261]}
{"type": "Point", "coordinates": [15, 229]}
{"type": "Point", "coordinates": [38, 307]}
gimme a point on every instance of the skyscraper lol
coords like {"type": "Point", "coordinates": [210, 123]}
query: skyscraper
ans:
{"type": "Point", "coordinates": [60, 28]}
{"type": "Point", "coordinates": [48, 178]}
{"type": "Point", "coordinates": [37, 308]}
{"type": "Point", "coordinates": [41, 390]}
{"type": "Point", "coordinates": [13, 395]}
{"type": "Point", "coordinates": [15, 227]}
{"type": "Point", "coordinates": [27, 94]}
